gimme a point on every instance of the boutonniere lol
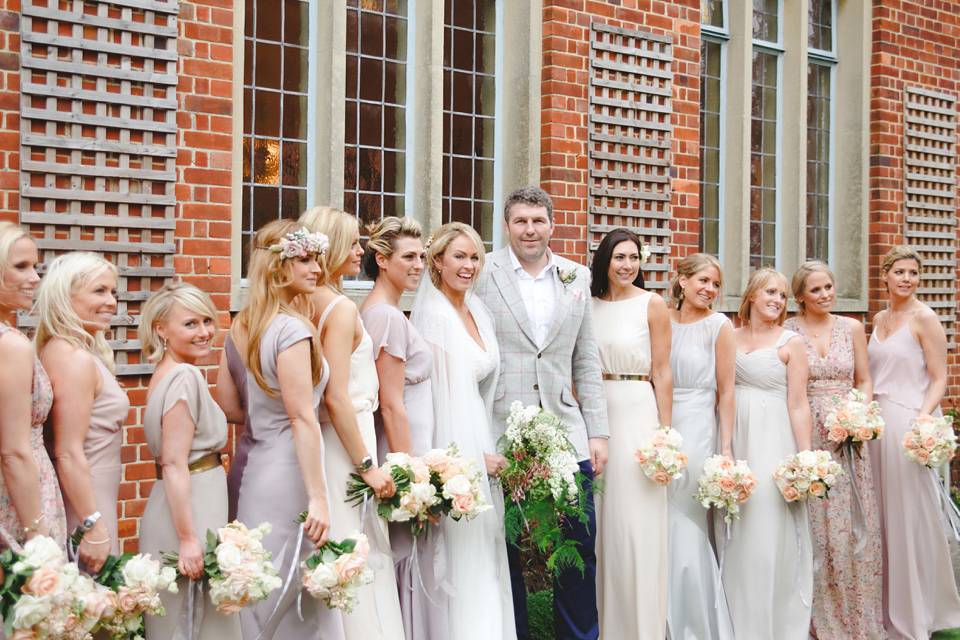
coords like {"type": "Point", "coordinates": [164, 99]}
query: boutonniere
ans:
{"type": "Point", "coordinates": [567, 275]}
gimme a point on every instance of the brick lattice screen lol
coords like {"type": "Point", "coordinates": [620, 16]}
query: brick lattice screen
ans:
{"type": "Point", "coordinates": [930, 191]}
{"type": "Point", "coordinates": [98, 138]}
{"type": "Point", "coordinates": [630, 137]}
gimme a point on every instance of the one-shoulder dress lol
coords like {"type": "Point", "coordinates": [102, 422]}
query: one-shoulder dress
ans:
{"type": "Point", "coordinates": [768, 561]}
{"type": "Point", "coordinates": [919, 591]}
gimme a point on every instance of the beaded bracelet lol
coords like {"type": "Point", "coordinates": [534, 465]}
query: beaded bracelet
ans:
{"type": "Point", "coordinates": [33, 528]}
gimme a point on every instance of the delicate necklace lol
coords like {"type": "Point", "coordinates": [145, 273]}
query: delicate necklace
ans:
{"type": "Point", "coordinates": [822, 331]}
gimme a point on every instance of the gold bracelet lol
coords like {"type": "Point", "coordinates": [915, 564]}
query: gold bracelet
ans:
{"type": "Point", "coordinates": [105, 541]}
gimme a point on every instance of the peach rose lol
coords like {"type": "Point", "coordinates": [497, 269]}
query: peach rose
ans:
{"type": "Point", "coordinates": [640, 458]}
{"type": "Point", "coordinates": [235, 536]}
{"type": "Point", "coordinates": [908, 440]}
{"type": "Point", "coordinates": [726, 463]}
{"type": "Point", "coordinates": [661, 477]}
{"type": "Point", "coordinates": [349, 566]}
{"type": "Point", "coordinates": [837, 434]}
{"type": "Point", "coordinates": [125, 600]}
{"type": "Point", "coordinates": [420, 472]}
{"type": "Point", "coordinates": [463, 503]}
{"type": "Point", "coordinates": [843, 416]}
{"type": "Point", "coordinates": [43, 582]}
{"type": "Point", "coordinates": [363, 545]}
{"type": "Point", "coordinates": [453, 469]}
{"type": "Point", "coordinates": [437, 460]}
{"type": "Point", "coordinates": [659, 439]}
{"type": "Point", "coordinates": [682, 459]}
{"type": "Point", "coordinates": [742, 496]}
{"type": "Point", "coordinates": [929, 443]}
{"type": "Point", "coordinates": [23, 634]}
{"type": "Point", "coordinates": [922, 455]}
{"type": "Point", "coordinates": [727, 484]}
{"type": "Point", "coordinates": [229, 607]}
{"type": "Point", "coordinates": [749, 483]}
{"type": "Point", "coordinates": [865, 433]}
{"type": "Point", "coordinates": [790, 494]}
{"type": "Point", "coordinates": [818, 489]}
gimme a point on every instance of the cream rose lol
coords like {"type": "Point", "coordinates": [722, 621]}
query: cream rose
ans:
{"type": "Point", "coordinates": [229, 557]}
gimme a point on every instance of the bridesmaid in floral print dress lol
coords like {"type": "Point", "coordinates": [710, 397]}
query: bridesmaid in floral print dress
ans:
{"type": "Point", "coordinates": [846, 530]}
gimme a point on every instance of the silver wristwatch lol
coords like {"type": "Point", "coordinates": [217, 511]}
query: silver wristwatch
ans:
{"type": "Point", "coordinates": [89, 521]}
{"type": "Point", "coordinates": [365, 465]}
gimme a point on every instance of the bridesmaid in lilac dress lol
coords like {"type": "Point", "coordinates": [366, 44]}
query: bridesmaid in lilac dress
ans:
{"type": "Point", "coordinates": [283, 379]}
{"type": "Point", "coordinates": [846, 528]}
{"type": "Point", "coordinates": [30, 502]}
{"type": "Point", "coordinates": [76, 302]}
{"type": "Point", "coordinates": [405, 421]}
{"type": "Point", "coordinates": [908, 363]}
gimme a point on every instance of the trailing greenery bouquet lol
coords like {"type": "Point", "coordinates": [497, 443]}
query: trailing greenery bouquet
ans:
{"type": "Point", "coordinates": [543, 485]}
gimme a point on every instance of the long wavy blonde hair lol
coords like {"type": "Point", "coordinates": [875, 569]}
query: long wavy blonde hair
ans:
{"type": "Point", "coordinates": [340, 228]}
{"type": "Point", "coordinates": [269, 273]}
{"type": "Point", "coordinates": [56, 317]}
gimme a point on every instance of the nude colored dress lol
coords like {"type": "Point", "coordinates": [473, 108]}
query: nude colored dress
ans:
{"type": "Point", "coordinates": [208, 494]}
{"type": "Point", "coordinates": [41, 399]}
{"type": "Point", "coordinates": [422, 604]}
{"type": "Point", "coordinates": [102, 449]}
{"type": "Point", "coordinates": [919, 592]}
{"type": "Point", "coordinates": [378, 613]}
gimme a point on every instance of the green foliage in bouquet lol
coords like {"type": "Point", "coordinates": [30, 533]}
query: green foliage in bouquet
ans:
{"type": "Point", "coordinates": [211, 568]}
{"type": "Point", "coordinates": [357, 490]}
{"type": "Point", "coordinates": [330, 550]}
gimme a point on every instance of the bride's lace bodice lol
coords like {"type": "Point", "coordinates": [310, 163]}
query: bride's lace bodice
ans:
{"type": "Point", "coordinates": [484, 362]}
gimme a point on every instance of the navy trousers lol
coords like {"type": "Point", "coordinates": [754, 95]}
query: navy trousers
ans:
{"type": "Point", "coordinates": [575, 614]}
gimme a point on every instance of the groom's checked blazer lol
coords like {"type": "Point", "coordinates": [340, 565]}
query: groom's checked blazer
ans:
{"type": "Point", "coordinates": [546, 376]}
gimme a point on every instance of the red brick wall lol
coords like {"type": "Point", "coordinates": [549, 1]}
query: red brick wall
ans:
{"type": "Point", "coordinates": [565, 112]}
{"type": "Point", "coordinates": [9, 109]}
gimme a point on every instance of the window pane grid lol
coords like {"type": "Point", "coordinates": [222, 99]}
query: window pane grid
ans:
{"type": "Point", "coordinates": [275, 158]}
{"type": "Point", "coordinates": [820, 17]}
{"type": "Point", "coordinates": [763, 160]}
{"type": "Point", "coordinates": [766, 20]}
{"type": "Point", "coordinates": [468, 115]}
{"type": "Point", "coordinates": [818, 160]}
{"type": "Point", "coordinates": [710, 79]}
{"type": "Point", "coordinates": [375, 109]}
{"type": "Point", "coordinates": [711, 13]}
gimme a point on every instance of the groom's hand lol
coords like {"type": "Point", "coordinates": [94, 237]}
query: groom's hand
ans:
{"type": "Point", "coordinates": [598, 454]}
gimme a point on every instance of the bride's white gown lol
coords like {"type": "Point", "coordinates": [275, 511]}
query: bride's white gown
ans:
{"type": "Point", "coordinates": [464, 379]}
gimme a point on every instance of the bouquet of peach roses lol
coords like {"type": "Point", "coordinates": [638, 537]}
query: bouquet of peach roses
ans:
{"type": "Point", "coordinates": [725, 484]}
{"type": "Point", "coordinates": [337, 570]}
{"type": "Point", "coordinates": [808, 474]}
{"type": "Point", "coordinates": [853, 421]}
{"type": "Point", "coordinates": [457, 481]}
{"type": "Point", "coordinates": [134, 583]}
{"type": "Point", "coordinates": [660, 457]}
{"type": "Point", "coordinates": [930, 441]}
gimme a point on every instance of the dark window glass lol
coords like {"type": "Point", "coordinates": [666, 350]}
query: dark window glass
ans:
{"type": "Point", "coordinates": [821, 25]}
{"type": "Point", "coordinates": [709, 236]}
{"type": "Point", "coordinates": [763, 160]}
{"type": "Point", "coordinates": [818, 161]}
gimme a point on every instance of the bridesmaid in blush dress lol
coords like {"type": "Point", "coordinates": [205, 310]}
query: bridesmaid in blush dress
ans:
{"type": "Point", "coordinates": [633, 337]}
{"type": "Point", "coordinates": [346, 417]}
{"type": "Point", "coordinates": [394, 260]}
{"type": "Point", "coordinates": [76, 301]}
{"type": "Point", "coordinates": [846, 527]}
{"type": "Point", "coordinates": [768, 561]}
{"type": "Point", "coordinates": [702, 356]}
{"type": "Point", "coordinates": [30, 501]}
{"type": "Point", "coordinates": [908, 363]}
{"type": "Point", "coordinates": [284, 377]}
{"type": "Point", "coordinates": [185, 430]}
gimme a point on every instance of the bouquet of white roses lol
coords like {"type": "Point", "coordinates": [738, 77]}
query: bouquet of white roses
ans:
{"type": "Point", "coordinates": [42, 596]}
{"type": "Point", "coordinates": [237, 566]}
{"type": "Point", "coordinates": [726, 484]}
{"type": "Point", "coordinates": [135, 582]}
{"type": "Point", "coordinates": [853, 420]}
{"type": "Point", "coordinates": [416, 496]}
{"type": "Point", "coordinates": [542, 483]}
{"type": "Point", "coordinates": [808, 474]}
{"type": "Point", "coordinates": [458, 483]}
{"type": "Point", "coordinates": [337, 570]}
{"type": "Point", "coordinates": [660, 457]}
{"type": "Point", "coordinates": [930, 441]}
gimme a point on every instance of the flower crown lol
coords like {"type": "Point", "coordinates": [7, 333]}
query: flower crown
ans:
{"type": "Point", "coordinates": [299, 244]}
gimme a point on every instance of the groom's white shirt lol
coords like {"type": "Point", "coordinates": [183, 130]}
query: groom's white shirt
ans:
{"type": "Point", "coordinates": [539, 294]}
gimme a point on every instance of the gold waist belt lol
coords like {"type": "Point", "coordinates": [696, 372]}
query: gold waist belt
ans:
{"type": "Point", "coordinates": [626, 376]}
{"type": "Point", "coordinates": [204, 463]}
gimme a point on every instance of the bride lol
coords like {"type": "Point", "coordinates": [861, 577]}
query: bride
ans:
{"type": "Point", "coordinates": [460, 332]}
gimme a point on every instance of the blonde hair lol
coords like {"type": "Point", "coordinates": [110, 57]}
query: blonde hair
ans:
{"type": "Point", "coordinates": [689, 266]}
{"type": "Point", "coordinates": [799, 281]}
{"type": "Point", "coordinates": [9, 234]}
{"type": "Point", "coordinates": [56, 318]}
{"type": "Point", "coordinates": [757, 279]}
{"type": "Point", "coordinates": [340, 228]}
{"type": "Point", "coordinates": [900, 252]}
{"type": "Point", "coordinates": [383, 240]}
{"type": "Point", "coordinates": [268, 274]}
{"type": "Point", "coordinates": [441, 239]}
{"type": "Point", "coordinates": [157, 310]}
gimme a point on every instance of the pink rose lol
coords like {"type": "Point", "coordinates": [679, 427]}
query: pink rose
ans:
{"type": "Point", "coordinates": [818, 489]}
{"type": "Point", "coordinates": [463, 503]}
{"type": "Point", "coordinates": [420, 471]}
{"type": "Point", "coordinates": [929, 443]}
{"type": "Point", "coordinates": [23, 634]}
{"type": "Point", "coordinates": [349, 566]}
{"type": "Point", "coordinates": [790, 493]}
{"type": "Point", "coordinates": [640, 458]}
{"type": "Point", "coordinates": [726, 463]}
{"type": "Point", "coordinates": [749, 483]}
{"type": "Point", "coordinates": [101, 602]}
{"type": "Point", "coordinates": [43, 582]}
{"type": "Point", "coordinates": [908, 440]}
{"type": "Point", "coordinates": [922, 455]}
{"type": "Point", "coordinates": [659, 439]}
{"type": "Point", "coordinates": [453, 469]}
{"type": "Point", "coordinates": [437, 460]}
{"type": "Point", "coordinates": [661, 477]}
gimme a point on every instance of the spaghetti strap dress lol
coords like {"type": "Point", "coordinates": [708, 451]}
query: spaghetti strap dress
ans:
{"type": "Point", "coordinates": [919, 591]}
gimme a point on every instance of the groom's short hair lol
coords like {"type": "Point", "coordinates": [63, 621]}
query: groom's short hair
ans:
{"type": "Point", "coordinates": [530, 196]}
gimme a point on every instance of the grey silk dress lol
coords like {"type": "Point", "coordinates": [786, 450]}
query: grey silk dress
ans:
{"type": "Point", "coordinates": [272, 490]}
{"type": "Point", "coordinates": [422, 605]}
{"type": "Point", "coordinates": [208, 494]}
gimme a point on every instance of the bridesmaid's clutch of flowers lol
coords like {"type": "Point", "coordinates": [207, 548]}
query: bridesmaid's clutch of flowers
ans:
{"type": "Point", "coordinates": [660, 457]}
{"type": "Point", "coordinates": [337, 570]}
{"type": "Point", "coordinates": [930, 441]}
{"type": "Point", "coordinates": [542, 484]}
{"type": "Point", "coordinates": [130, 586]}
{"type": "Point", "coordinates": [725, 484]}
{"type": "Point", "coordinates": [853, 421]}
{"type": "Point", "coordinates": [808, 474]}
{"type": "Point", "coordinates": [237, 566]}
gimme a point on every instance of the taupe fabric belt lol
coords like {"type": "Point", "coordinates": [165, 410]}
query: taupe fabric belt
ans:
{"type": "Point", "coordinates": [626, 376]}
{"type": "Point", "coordinates": [204, 463]}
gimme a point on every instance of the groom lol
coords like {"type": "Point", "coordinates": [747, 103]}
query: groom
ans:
{"type": "Point", "coordinates": [541, 306]}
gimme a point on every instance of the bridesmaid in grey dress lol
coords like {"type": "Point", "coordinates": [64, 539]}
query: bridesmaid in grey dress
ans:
{"type": "Point", "coordinates": [405, 422]}
{"type": "Point", "coordinates": [76, 302]}
{"type": "Point", "coordinates": [702, 356]}
{"type": "Point", "coordinates": [768, 563]}
{"type": "Point", "coordinates": [185, 430]}
{"type": "Point", "coordinates": [284, 378]}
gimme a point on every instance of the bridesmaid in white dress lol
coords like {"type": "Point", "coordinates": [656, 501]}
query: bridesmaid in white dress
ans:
{"type": "Point", "coordinates": [767, 571]}
{"type": "Point", "coordinates": [702, 357]}
{"type": "Point", "coordinates": [908, 364]}
{"type": "Point", "coordinates": [346, 419]}
{"type": "Point", "coordinates": [632, 510]}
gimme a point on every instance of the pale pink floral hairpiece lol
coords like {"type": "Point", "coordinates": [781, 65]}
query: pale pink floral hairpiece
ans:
{"type": "Point", "coordinates": [299, 244]}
